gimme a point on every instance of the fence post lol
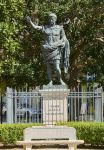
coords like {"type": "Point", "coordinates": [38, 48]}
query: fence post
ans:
{"type": "Point", "coordinates": [9, 105]}
{"type": "Point", "coordinates": [98, 105]}
{"type": "Point", "coordinates": [83, 110]}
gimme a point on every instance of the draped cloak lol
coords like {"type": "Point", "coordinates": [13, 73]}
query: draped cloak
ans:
{"type": "Point", "coordinates": [56, 45]}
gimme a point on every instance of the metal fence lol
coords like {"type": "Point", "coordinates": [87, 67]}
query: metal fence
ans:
{"type": "Point", "coordinates": [29, 107]}
{"type": "Point", "coordinates": [85, 106]}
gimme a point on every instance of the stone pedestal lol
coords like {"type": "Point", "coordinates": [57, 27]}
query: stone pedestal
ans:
{"type": "Point", "coordinates": [55, 107]}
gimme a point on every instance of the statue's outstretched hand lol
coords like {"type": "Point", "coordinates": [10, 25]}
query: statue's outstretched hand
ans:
{"type": "Point", "coordinates": [28, 19]}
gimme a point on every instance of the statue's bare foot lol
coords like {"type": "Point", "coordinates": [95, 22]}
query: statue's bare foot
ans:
{"type": "Point", "coordinates": [62, 83]}
{"type": "Point", "coordinates": [50, 83]}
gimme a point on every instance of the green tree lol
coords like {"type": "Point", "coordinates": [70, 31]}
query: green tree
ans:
{"type": "Point", "coordinates": [20, 50]}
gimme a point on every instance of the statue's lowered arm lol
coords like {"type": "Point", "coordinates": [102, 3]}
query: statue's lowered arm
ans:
{"type": "Point", "coordinates": [63, 37]}
{"type": "Point", "coordinates": [32, 24]}
{"type": "Point", "coordinates": [66, 51]}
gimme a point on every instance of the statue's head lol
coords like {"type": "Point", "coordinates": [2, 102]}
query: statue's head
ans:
{"type": "Point", "coordinates": [52, 18]}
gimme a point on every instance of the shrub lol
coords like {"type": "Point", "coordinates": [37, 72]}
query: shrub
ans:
{"type": "Point", "coordinates": [91, 132]}
{"type": "Point", "coordinates": [10, 133]}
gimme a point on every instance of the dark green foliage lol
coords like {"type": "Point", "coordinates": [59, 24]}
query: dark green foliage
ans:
{"type": "Point", "coordinates": [10, 133]}
{"type": "Point", "coordinates": [91, 132]}
{"type": "Point", "coordinates": [20, 45]}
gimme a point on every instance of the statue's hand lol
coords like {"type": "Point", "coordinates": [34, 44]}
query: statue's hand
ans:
{"type": "Point", "coordinates": [62, 44]}
{"type": "Point", "coordinates": [28, 19]}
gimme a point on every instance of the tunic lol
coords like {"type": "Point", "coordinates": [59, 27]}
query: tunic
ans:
{"type": "Point", "coordinates": [53, 42]}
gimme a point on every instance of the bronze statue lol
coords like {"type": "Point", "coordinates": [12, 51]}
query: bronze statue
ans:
{"type": "Point", "coordinates": [55, 48]}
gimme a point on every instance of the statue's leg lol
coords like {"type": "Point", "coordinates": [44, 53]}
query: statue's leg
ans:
{"type": "Point", "coordinates": [49, 73]}
{"type": "Point", "coordinates": [58, 67]}
{"type": "Point", "coordinates": [59, 71]}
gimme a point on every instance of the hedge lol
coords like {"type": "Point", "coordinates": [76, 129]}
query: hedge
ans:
{"type": "Point", "coordinates": [10, 133]}
{"type": "Point", "coordinates": [91, 132]}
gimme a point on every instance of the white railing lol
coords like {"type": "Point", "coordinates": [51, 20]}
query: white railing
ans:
{"type": "Point", "coordinates": [85, 106]}
{"type": "Point", "coordinates": [23, 107]}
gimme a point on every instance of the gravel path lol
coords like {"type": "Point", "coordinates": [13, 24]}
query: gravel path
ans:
{"type": "Point", "coordinates": [47, 149]}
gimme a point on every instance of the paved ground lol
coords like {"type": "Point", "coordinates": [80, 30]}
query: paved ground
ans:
{"type": "Point", "coordinates": [48, 149]}
{"type": "Point", "coordinates": [62, 147]}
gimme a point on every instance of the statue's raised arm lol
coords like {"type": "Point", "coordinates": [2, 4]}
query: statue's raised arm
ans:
{"type": "Point", "coordinates": [33, 25]}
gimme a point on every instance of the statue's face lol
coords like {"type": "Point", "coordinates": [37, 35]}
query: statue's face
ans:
{"type": "Point", "coordinates": [52, 20]}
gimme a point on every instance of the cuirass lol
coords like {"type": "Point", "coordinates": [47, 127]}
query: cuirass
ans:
{"type": "Point", "coordinates": [52, 31]}
{"type": "Point", "coordinates": [51, 34]}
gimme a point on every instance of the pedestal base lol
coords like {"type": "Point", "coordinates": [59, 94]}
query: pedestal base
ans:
{"type": "Point", "coordinates": [55, 105]}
